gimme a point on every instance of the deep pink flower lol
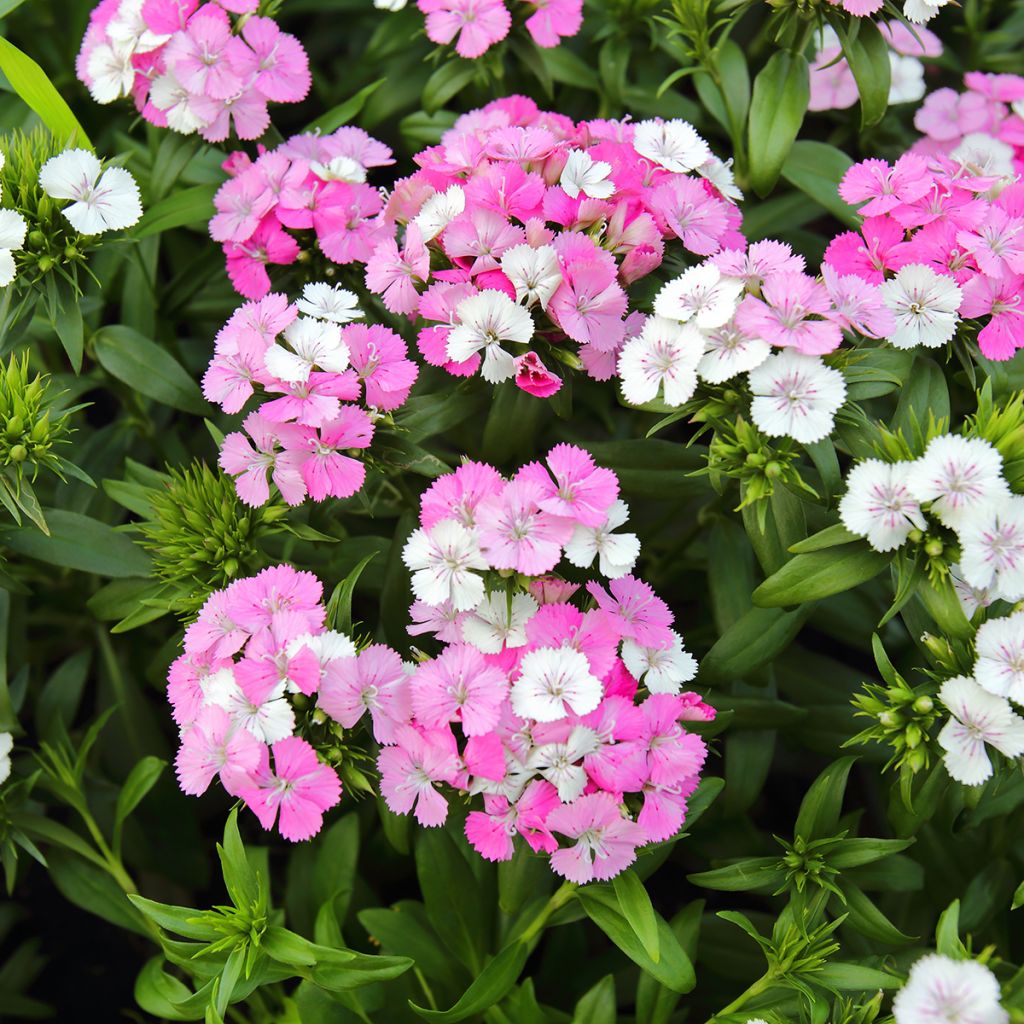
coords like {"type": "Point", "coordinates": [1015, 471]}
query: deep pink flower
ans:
{"type": "Point", "coordinates": [688, 211]}
{"type": "Point", "coordinates": [533, 377]}
{"type": "Point", "coordinates": [867, 253]}
{"type": "Point", "coordinates": [884, 187]}
{"type": "Point", "coordinates": [247, 261]}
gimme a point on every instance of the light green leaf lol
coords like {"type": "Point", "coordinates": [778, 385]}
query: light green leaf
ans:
{"type": "Point", "coordinates": [777, 108]}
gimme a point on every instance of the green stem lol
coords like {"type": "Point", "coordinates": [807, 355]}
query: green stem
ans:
{"type": "Point", "coordinates": [559, 898]}
{"type": "Point", "coordinates": [426, 988]}
{"type": "Point", "coordinates": [761, 985]}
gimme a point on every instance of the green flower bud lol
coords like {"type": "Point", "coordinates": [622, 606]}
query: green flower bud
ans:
{"type": "Point", "coordinates": [933, 548]}
{"type": "Point", "coordinates": [18, 453]}
{"type": "Point", "coordinates": [913, 735]}
{"type": "Point", "coordinates": [773, 470]}
{"type": "Point", "coordinates": [923, 705]}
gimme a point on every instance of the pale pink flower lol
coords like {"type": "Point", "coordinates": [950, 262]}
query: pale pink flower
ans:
{"type": "Point", "coordinates": [374, 681]}
{"type": "Point", "coordinates": [605, 841]}
{"type": "Point", "coordinates": [213, 745]}
{"type": "Point", "coordinates": [516, 533]}
{"type": "Point", "coordinates": [475, 25]}
{"type": "Point", "coordinates": [410, 773]}
{"type": "Point", "coordinates": [639, 613]}
{"type": "Point", "coordinates": [459, 685]}
{"type": "Point", "coordinates": [792, 314]}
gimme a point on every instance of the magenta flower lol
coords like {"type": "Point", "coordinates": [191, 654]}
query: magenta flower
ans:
{"type": "Point", "coordinates": [868, 253]}
{"type": "Point", "coordinates": [882, 188]}
{"type": "Point", "coordinates": [256, 602]}
{"type": "Point", "coordinates": [247, 261]}
{"type": "Point", "coordinates": [688, 211]}
{"type": "Point", "coordinates": [533, 377]}
{"type": "Point", "coordinates": [456, 495]}
{"type": "Point", "coordinates": [299, 786]}
{"type": "Point", "coordinates": [515, 533]}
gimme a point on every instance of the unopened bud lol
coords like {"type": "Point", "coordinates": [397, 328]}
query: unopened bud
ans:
{"type": "Point", "coordinates": [773, 470]}
{"type": "Point", "coordinates": [923, 705]}
{"type": "Point", "coordinates": [933, 548]}
{"type": "Point", "coordinates": [18, 453]}
{"type": "Point", "coordinates": [913, 735]}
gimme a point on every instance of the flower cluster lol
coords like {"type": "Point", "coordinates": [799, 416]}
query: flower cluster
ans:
{"type": "Point", "coordinates": [256, 652]}
{"type": "Point", "coordinates": [474, 26]}
{"type": "Point", "coordinates": [833, 86]}
{"type": "Point", "coordinates": [56, 202]}
{"type": "Point", "coordinates": [916, 11]}
{"type": "Point", "coordinates": [532, 703]}
{"type": "Point", "coordinates": [311, 366]}
{"type": "Point", "coordinates": [943, 231]}
{"type": "Point", "coordinates": [311, 183]}
{"type": "Point", "coordinates": [191, 67]}
{"type": "Point", "coordinates": [522, 230]}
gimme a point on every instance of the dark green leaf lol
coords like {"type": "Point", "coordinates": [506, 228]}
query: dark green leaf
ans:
{"type": "Point", "coordinates": [777, 108]}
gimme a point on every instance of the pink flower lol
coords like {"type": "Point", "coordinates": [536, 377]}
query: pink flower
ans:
{"type": "Point", "coordinates": [212, 746]}
{"type": "Point", "coordinates": [256, 602]}
{"type": "Point", "coordinates": [857, 305]}
{"type": "Point", "coordinates": [250, 461]}
{"type": "Point", "coordinates": [476, 25]}
{"type": "Point", "coordinates": [790, 316]}
{"type": "Point", "coordinates": [554, 20]}
{"type": "Point", "coordinates": [299, 786]}
{"type": "Point", "coordinates": [393, 274]}
{"type": "Point", "coordinates": [886, 187]}
{"type": "Point", "coordinates": [247, 261]}
{"type": "Point", "coordinates": [325, 470]}
{"type": "Point", "coordinates": [515, 533]}
{"type": "Point", "coordinates": [594, 634]}
{"type": "Point", "coordinates": [997, 244]}
{"type": "Point", "coordinates": [459, 685]}
{"type": "Point", "coordinates": [580, 490]}
{"type": "Point", "coordinates": [241, 202]}
{"type": "Point", "coordinates": [207, 59]}
{"type": "Point", "coordinates": [379, 357]}
{"type": "Point", "coordinates": [638, 612]}
{"type": "Point", "coordinates": [1001, 337]}
{"type": "Point", "coordinates": [833, 86]}
{"type": "Point", "coordinates": [605, 844]}
{"type": "Point", "coordinates": [755, 263]}
{"type": "Point", "coordinates": [672, 753]}
{"type": "Point", "coordinates": [490, 832]}
{"type": "Point", "coordinates": [589, 304]}
{"type": "Point", "coordinates": [868, 253]}
{"type": "Point", "coordinates": [533, 377]}
{"type": "Point", "coordinates": [947, 115]}
{"type": "Point", "coordinates": [278, 60]}
{"type": "Point", "coordinates": [409, 773]}
{"type": "Point", "coordinates": [268, 664]}
{"type": "Point", "coordinates": [313, 402]}
{"type": "Point", "coordinates": [374, 681]}
{"type": "Point", "coordinates": [476, 239]}
{"type": "Point", "coordinates": [688, 211]}
{"type": "Point", "coordinates": [456, 495]}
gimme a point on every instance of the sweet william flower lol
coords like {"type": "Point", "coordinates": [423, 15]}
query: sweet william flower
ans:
{"type": "Point", "coordinates": [662, 669]}
{"type": "Point", "coordinates": [409, 774]}
{"type": "Point", "coordinates": [498, 622]}
{"type": "Point", "coordinates": [324, 301]}
{"type": "Point", "coordinates": [442, 559]}
{"type": "Point", "coordinates": [999, 668]}
{"type": "Point", "coordinates": [700, 295]}
{"type": "Point", "coordinates": [616, 552]}
{"type": "Point", "coordinates": [605, 842]}
{"type": "Point", "coordinates": [314, 344]}
{"type": "Point", "coordinates": [674, 145]}
{"type": "Point", "coordinates": [299, 787]}
{"type": "Point", "coordinates": [516, 533]}
{"type": "Point", "coordinates": [553, 682]}
{"type": "Point", "coordinates": [992, 548]}
{"type": "Point", "coordinates": [535, 273]}
{"type": "Point", "coordinates": [474, 25]}
{"type": "Point", "coordinates": [12, 237]}
{"type": "Point", "coordinates": [374, 681]}
{"type": "Point", "coordinates": [796, 396]}
{"type": "Point", "coordinates": [729, 350]}
{"type": "Point", "coordinates": [214, 745]}
{"type": "Point", "coordinates": [924, 305]}
{"type": "Point", "coordinates": [662, 359]}
{"type": "Point", "coordinates": [533, 377]}
{"type": "Point", "coordinates": [941, 990]}
{"type": "Point", "coordinates": [792, 314]}
{"type": "Point", "coordinates": [958, 475]}
{"type": "Point", "coordinates": [103, 200]}
{"type": "Point", "coordinates": [6, 745]}
{"type": "Point", "coordinates": [978, 718]}
{"type": "Point", "coordinates": [583, 174]}
{"type": "Point", "coordinates": [879, 505]}
{"type": "Point", "coordinates": [485, 320]}
{"type": "Point", "coordinates": [439, 211]}
{"type": "Point", "coordinates": [459, 685]}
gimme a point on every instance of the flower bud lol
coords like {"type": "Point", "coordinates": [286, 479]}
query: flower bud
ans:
{"type": "Point", "coordinates": [18, 453]}
{"type": "Point", "coordinates": [923, 705]}
{"type": "Point", "coordinates": [933, 548]}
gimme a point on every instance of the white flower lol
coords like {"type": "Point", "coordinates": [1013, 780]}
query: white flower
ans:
{"type": "Point", "coordinates": [270, 720]}
{"type": "Point", "coordinates": [560, 763]}
{"type": "Point", "coordinates": [701, 296]}
{"type": "Point", "coordinates": [340, 168]}
{"type": "Point", "coordinates": [313, 343]}
{"type": "Point", "coordinates": [535, 273]}
{"type": "Point", "coordinates": [674, 145]}
{"type": "Point", "coordinates": [957, 475]}
{"type": "Point", "coordinates": [978, 718]}
{"type": "Point", "coordinates": [796, 396]}
{"type": "Point", "coordinates": [879, 505]}
{"type": "Point", "coordinates": [617, 552]}
{"type": "Point", "coordinates": [328, 646]}
{"type": "Point", "coordinates": [485, 320]}
{"type": "Point", "coordinates": [12, 237]}
{"type": "Point", "coordinates": [667, 668]}
{"type": "Point", "coordinates": [906, 79]}
{"type": "Point", "coordinates": [728, 350]}
{"type": "Point", "coordinates": [971, 598]}
{"type": "Point", "coordinates": [442, 560]}
{"type": "Point", "coordinates": [329, 302]}
{"type": "Point", "coordinates": [941, 990]}
{"type": "Point", "coordinates": [985, 156]}
{"type": "Point", "coordinates": [584, 174]}
{"type": "Point", "coordinates": [111, 72]}
{"type": "Point", "coordinates": [719, 173]}
{"type": "Point", "coordinates": [389, 5]}
{"type": "Point", "coordinates": [497, 623]}
{"type": "Point", "coordinates": [551, 682]}
{"type": "Point", "coordinates": [104, 200]}
{"type": "Point", "coordinates": [6, 743]}
{"type": "Point", "coordinates": [992, 548]}
{"type": "Point", "coordinates": [129, 31]}
{"type": "Point", "coordinates": [923, 305]}
{"type": "Point", "coordinates": [920, 11]}
{"type": "Point", "coordinates": [999, 645]}
{"type": "Point", "coordinates": [662, 357]}
{"type": "Point", "coordinates": [439, 211]}
{"type": "Point", "coordinates": [169, 95]}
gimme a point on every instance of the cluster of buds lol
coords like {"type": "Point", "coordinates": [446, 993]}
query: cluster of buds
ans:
{"type": "Point", "coordinates": [201, 536]}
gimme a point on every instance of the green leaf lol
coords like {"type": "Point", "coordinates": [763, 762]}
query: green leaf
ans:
{"type": "Point", "coordinates": [346, 111]}
{"type": "Point", "coordinates": [745, 876]}
{"type": "Point", "coordinates": [33, 85]}
{"type": "Point", "coordinates": [831, 537]}
{"type": "Point", "coordinates": [67, 322]}
{"type": "Point", "coordinates": [855, 852]}
{"type": "Point", "coordinates": [447, 81]}
{"type": "Point", "coordinates": [866, 918]}
{"type": "Point", "coordinates": [570, 69]}
{"type": "Point", "coordinates": [823, 803]}
{"type": "Point", "coordinates": [673, 969]}
{"type": "Point", "coordinates": [92, 889]}
{"type": "Point", "coordinates": [816, 168]}
{"type": "Point", "coordinates": [140, 781]}
{"type": "Point", "coordinates": [636, 908]}
{"type": "Point", "coordinates": [947, 932]}
{"type": "Point", "coordinates": [760, 635]}
{"type": "Point", "coordinates": [1018, 897]}
{"type": "Point", "coordinates": [491, 986]}
{"type": "Point", "coordinates": [79, 542]}
{"type": "Point", "coordinates": [854, 978]}
{"type": "Point", "coordinates": [818, 574]}
{"type": "Point", "coordinates": [598, 1005]}
{"type": "Point", "coordinates": [777, 108]}
{"type": "Point", "coordinates": [867, 53]}
{"type": "Point", "coordinates": [339, 607]}
{"type": "Point", "coordinates": [240, 877]}
{"type": "Point", "coordinates": [147, 368]}
{"type": "Point", "coordinates": [189, 206]}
